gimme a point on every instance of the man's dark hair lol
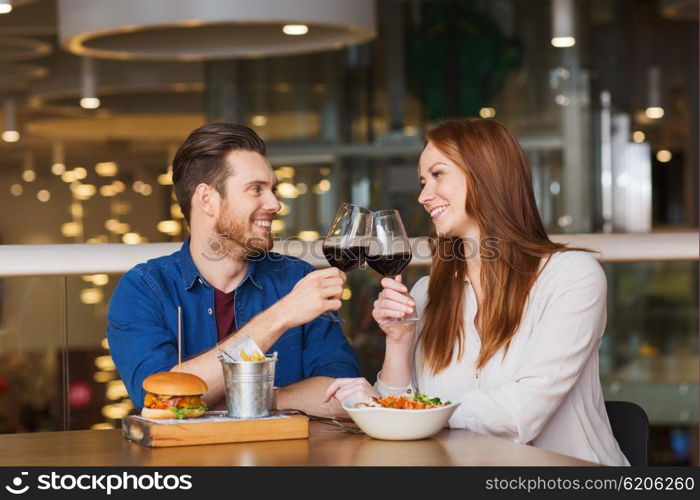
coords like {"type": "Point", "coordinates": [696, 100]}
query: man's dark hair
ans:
{"type": "Point", "coordinates": [201, 159]}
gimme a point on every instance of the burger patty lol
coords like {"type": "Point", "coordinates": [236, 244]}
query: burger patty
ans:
{"type": "Point", "coordinates": [163, 402]}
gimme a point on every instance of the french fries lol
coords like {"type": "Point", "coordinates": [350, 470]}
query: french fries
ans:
{"type": "Point", "coordinates": [256, 356]}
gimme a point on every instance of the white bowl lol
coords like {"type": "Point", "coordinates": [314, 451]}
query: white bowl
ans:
{"type": "Point", "coordinates": [394, 424]}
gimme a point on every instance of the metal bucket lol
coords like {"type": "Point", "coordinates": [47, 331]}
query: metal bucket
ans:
{"type": "Point", "coordinates": [249, 387]}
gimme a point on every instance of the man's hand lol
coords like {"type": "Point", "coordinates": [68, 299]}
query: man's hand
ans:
{"type": "Point", "coordinates": [316, 293]}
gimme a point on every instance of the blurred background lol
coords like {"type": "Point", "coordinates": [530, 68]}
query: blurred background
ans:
{"type": "Point", "coordinates": [98, 95]}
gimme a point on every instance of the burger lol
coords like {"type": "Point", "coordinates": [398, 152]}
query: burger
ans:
{"type": "Point", "coordinates": [174, 395]}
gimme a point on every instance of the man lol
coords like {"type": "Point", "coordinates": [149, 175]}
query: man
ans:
{"type": "Point", "coordinates": [228, 284]}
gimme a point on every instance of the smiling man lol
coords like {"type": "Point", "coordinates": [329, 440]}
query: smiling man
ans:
{"type": "Point", "coordinates": [229, 284]}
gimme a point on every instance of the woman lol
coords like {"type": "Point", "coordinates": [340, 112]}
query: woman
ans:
{"type": "Point", "coordinates": [509, 322]}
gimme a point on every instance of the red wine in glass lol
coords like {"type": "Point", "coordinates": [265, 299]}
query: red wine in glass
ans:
{"type": "Point", "coordinates": [344, 244]}
{"type": "Point", "coordinates": [345, 259]}
{"type": "Point", "coordinates": [390, 265]}
{"type": "Point", "coordinates": [389, 249]}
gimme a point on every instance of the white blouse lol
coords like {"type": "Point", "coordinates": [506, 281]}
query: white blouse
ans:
{"type": "Point", "coordinates": [546, 390]}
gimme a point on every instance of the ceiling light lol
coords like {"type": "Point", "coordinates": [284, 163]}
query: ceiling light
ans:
{"type": "Point", "coordinates": [295, 29]}
{"type": "Point", "coordinates": [277, 225]}
{"type": "Point", "coordinates": [80, 173]}
{"type": "Point", "coordinates": [108, 191]}
{"type": "Point", "coordinates": [16, 190]}
{"type": "Point", "coordinates": [5, 6]}
{"type": "Point", "coordinates": [664, 155]}
{"type": "Point", "coordinates": [562, 42]}
{"type": "Point", "coordinates": [68, 176]}
{"type": "Point", "coordinates": [122, 228]}
{"type": "Point", "coordinates": [654, 109]}
{"type": "Point", "coordinates": [100, 279]}
{"type": "Point", "coordinates": [169, 227]}
{"type": "Point", "coordinates": [563, 23]}
{"type": "Point", "coordinates": [287, 190]}
{"type": "Point", "coordinates": [487, 112]}
{"type": "Point", "coordinates": [259, 120]}
{"type": "Point", "coordinates": [10, 136]}
{"type": "Point", "coordinates": [638, 136]}
{"type": "Point", "coordinates": [285, 173]}
{"type": "Point", "coordinates": [58, 168]}
{"type": "Point", "coordinates": [116, 390]}
{"type": "Point", "coordinates": [308, 235]}
{"type": "Point", "coordinates": [131, 238]}
{"type": "Point", "coordinates": [106, 169]}
{"type": "Point", "coordinates": [91, 296]}
{"type": "Point", "coordinates": [176, 211]}
{"type": "Point", "coordinates": [76, 210]}
{"type": "Point", "coordinates": [71, 229]}
{"type": "Point", "coordinates": [112, 224]}
{"type": "Point", "coordinates": [89, 103]}
{"type": "Point", "coordinates": [102, 377]}
{"type": "Point", "coordinates": [166, 179]}
{"type": "Point", "coordinates": [43, 195]}
{"type": "Point", "coordinates": [29, 176]}
{"type": "Point", "coordinates": [88, 84]}
{"type": "Point", "coordinates": [105, 363]}
{"type": "Point", "coordinates": [84, 191]}
{"type": "Point", "coordinates": [58, 158]}
{"type": "Point", "coordinates": [654, 112]}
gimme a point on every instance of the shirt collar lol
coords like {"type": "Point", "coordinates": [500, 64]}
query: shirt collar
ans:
{"type": "Point", "coordinates": [190, 273]}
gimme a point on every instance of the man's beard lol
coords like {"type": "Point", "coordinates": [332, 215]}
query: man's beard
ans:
{"type": "Point", "coordinates": [236, 238]}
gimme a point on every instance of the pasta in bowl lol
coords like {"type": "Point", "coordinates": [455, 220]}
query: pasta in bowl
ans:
{"type": "Point", "coordinates": [406, 417]}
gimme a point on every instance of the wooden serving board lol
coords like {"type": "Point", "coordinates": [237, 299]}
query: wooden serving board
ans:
{"type": "Point", "coordinates": [213, 428]}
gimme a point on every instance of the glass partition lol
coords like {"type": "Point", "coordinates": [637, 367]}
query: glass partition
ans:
{"type": "Point", "coordinates": [56, 372]}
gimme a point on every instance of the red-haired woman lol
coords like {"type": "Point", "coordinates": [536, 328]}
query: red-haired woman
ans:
{"type": "Point", "coordinates": [510, 329]}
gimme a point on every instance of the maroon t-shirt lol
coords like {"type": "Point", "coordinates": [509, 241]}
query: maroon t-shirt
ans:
{"type": "Point", "coordinates": [225, 315]}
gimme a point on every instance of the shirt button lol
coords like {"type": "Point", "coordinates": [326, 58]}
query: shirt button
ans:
{"type": "Point", "coordinates": [209, 311]}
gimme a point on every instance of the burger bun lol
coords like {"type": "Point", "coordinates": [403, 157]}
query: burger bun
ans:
{"type": "Point", "coordinates": [175, 384]}
{"type": "Point", "coordinates": [168, 415]}
{"type": "Point", "coordinates": [157, 414]}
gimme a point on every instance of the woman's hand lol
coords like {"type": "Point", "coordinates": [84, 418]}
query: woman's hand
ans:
{"type": "Point", "coordinates": [356, 389]}
{"type": "Point", "coordinates": [394, 303]}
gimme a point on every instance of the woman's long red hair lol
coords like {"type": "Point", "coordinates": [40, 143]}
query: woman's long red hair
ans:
{"type": "Point", "coordinates": [501, 201]}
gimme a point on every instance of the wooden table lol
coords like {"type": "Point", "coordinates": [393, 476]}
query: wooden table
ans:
{"type": "Point", "coordinates": [326, 445]}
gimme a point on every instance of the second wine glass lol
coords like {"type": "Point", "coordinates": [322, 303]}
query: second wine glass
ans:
{"type": "Point", "coordinates": [389, 250]}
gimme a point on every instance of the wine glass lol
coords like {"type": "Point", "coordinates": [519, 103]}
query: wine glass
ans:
{"type": "Point", "coordinates": [346, 239]}
{"type": "Point", "coordinates": [389, 250]}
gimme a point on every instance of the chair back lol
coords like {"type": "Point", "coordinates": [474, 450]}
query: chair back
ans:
{"type": "Point", "coordinates": [630, 426]}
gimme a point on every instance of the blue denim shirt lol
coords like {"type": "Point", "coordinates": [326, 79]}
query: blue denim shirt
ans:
{"type": "Point", "coordinates": [142, 329]}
